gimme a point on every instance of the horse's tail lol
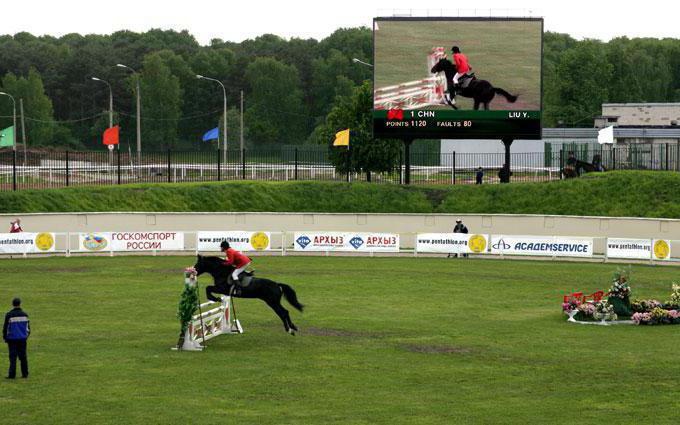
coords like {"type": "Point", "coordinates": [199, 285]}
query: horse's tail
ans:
{"type": "Point", "coordinates": [511, 98]}
{"type": "Point", "coordinates": [291, 297]}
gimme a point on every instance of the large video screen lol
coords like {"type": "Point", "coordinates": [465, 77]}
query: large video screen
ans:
{"type": "Point", "coordinates": [457, 78]}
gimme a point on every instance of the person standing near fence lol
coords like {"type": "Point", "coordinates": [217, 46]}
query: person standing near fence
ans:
{"type": "Point", "coordinates": [459, 228]}
{"type": "Point", "coordinates": [479, 176]}
{"type": "Point", "coordinates": [15, 332]}
{"type": "Point", "coordinates": [15, 226]}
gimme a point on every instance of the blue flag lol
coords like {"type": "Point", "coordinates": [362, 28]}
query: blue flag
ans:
{"type": "Point", "coordinates": [212, 134]}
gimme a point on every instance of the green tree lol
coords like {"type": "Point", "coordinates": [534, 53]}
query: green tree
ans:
{"type": "Point", "coordinates": [275, 112]}
{"type": "Point", "coordinates": [581, 84]}
{"type": "Point", "coordinates": [161, 104]}
{"type": "Point", "coordinates": [365, 153]}
{"type": "Point", "coordinates": [39, 115]}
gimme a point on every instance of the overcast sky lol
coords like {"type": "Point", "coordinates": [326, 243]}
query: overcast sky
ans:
{"type": "Point", "coordinates": [239, 20]}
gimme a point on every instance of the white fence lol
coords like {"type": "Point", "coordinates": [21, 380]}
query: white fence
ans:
{"type": "Point", "coordinates": [353, 243]}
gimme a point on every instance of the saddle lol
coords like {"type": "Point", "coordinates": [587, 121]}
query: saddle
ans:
{"type": "Point", "coordinates": [244, 279]}
{"type": "Point", "coordinates": [465, 80]}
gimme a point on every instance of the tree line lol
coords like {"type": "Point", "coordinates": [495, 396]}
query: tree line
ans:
{"type": "Point", "coordinates": [296, 91]}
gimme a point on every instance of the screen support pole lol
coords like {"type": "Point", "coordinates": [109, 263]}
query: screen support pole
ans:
{"type": "Point", "coordinates": [407, 160]}
{"type": "Point", "coordinates": [507, 142]}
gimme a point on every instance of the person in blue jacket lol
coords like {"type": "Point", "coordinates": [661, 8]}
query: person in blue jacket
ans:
{"type": "Point", "coordinates": [15, 332]}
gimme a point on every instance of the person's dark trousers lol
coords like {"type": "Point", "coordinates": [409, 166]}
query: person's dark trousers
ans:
{"type": "Point", "coordinates": [17, 349]}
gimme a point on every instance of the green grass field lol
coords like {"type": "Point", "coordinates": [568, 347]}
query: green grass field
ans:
{"type": "Point", "coordinates": [506, 53]}
{"type": "Point", "coordinates": [480, 341]}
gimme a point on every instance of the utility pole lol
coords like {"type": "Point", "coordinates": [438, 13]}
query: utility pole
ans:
{"type": "Point", "coordinates": [224, 98]}
{"type": "Point", "coordinates": [23, 126]}
{"type": "Point", "coordinates": [241, 120]}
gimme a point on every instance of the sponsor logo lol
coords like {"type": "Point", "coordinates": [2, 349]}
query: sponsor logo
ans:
{"type": "Point", "coordinates": [94, 242]}
{"type": "Point", "coordinates": [303, 241]}
{"type": "Point", "coordinates": [356, 242]}
{"type": "Point", "coordinates": [259, 241]}
{"type": "Point", "coordinates": [44, 241]}
{"type": "Point", "coordinates": [661, 250]}
{"type": "Point", "coordinates": [501, 245]}
{"type": "Point", "coordinates": [477, 243]}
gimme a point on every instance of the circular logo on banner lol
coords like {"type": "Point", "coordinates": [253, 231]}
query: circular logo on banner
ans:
{"type": "Point", "coordinates": [44, 241]}
{"type": "Point", "coordinates": [477, 243]}
{"type": "Point", "coordinates": [259, 241]}
{"type": "Point", "coordinates": [661, 250]}
{"type": "Point", "coordinates": [94, 242]}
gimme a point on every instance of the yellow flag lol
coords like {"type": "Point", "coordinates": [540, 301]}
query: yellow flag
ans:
{"type": "Point", "coordinates": [342, 138]}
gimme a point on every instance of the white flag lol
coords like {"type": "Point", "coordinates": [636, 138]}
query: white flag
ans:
{"type": "Point", "coordinates": [606, 135]}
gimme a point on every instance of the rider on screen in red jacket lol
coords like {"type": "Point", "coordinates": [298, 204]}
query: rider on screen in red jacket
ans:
{"type": "Point", "coordinates": [462, 65]}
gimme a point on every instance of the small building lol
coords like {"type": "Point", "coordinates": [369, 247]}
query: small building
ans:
{"type": "Point", "coordinates": [639, 115]}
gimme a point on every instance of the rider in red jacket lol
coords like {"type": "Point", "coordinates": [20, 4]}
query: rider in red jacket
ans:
{"type": "Point", "coordinates": [234, 258]}
{"type": "Point", "coordinates": [462, 65]}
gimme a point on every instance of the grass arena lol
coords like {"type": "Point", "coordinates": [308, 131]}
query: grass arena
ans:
{"type": "Point", "coordinates": [382, 340]}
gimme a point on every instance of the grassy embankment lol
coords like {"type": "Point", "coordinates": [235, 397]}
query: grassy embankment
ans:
{"type": "Point", "coordinates": [616, 194]}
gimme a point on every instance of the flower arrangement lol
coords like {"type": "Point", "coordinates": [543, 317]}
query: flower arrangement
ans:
{"type": "Point", "coordinates": [645, 306]}
{"type": "Point", "coordinates": [620, 287]}
{"type": "Point", "coordinates": [571, 305]}
{"type": "Point", "coordinates": [674, 300]}
{"type": "Point", "coordinates": [188, 303]}
{"type": "Point", "coordinates": [642, 318]}
{"type": "Point", "coordinates": [604, 311]}
{"type": "Point", "coordinates": [657, 316]}
{"type": "Point", "coordinates": [586, 310]}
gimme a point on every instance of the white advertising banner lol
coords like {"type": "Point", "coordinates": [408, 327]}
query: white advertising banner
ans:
{"type": "Point", "coordinates": [559, 246]}
{"type": "Point", "coordinates": [661, 249]}
{"type": "Point", "coordinates": [240, 240]}
{"type": "Point", "coordinates": [346, 242]}
{"type": "Point", "coordinates": [640, 249]}
{"type": "Point", "coordinates": [131, 241]}
{"type": "Point", "coordinates": [25, 242]}
{"type": "Point", "coordinates": [452, 243]}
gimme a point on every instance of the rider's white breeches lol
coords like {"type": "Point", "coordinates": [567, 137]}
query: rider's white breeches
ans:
{"type": "Point", "coordinates": [237, 272]}
{"type": "Point", "coordinates": [456, 77]}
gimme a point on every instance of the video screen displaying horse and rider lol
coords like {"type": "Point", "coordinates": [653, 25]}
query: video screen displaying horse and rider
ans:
{"type": "Point", "coordinates": [457, 77]}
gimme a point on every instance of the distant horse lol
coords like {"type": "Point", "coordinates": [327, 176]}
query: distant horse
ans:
{"type": "Point", "coordinates": [569, 172]}
{"type": "Point", "coordinates": [267, 290]}
{"type": "Point", "coordinates": [481, 91]}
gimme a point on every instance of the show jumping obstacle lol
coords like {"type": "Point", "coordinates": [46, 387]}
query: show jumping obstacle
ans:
{"type": "Point", "coordinates": [212, 320]}
{"type": "Point", "coordinates": [414, 94]}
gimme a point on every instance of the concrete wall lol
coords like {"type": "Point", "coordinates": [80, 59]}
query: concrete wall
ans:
{"type": "Point", "coordinates": [405, 224]}
{"type": "Point", "coordinates": [643, 113]}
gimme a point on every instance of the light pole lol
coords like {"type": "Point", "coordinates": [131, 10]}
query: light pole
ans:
{"type": "Point", "coordinates": [14, 118]}
{"type": "Point", "coordinates": [355, 60]}
{"type": "Point", "coordinates": [110, 99]}
{"type": "Point", "coordinates": [224, 127]}
{"type": "Point", "coordinates": [139, 113]}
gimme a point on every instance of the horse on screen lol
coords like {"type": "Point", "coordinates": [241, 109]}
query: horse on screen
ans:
{"type": "Point", "coordinates": [481, 91]}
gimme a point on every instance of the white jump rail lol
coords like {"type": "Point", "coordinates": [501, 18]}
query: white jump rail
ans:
{"type": "Point", "coordinates": [414, 94]}
{"type": "Point", "coordinates": [217, 320]}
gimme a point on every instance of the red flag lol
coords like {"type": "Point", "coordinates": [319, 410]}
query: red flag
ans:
{"type": "Point", "coordinates": [111, 135]}
{"type": "Point", "coordinates": [395, 114]}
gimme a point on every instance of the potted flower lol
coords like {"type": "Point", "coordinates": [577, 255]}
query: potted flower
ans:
{"type": "Point", "coordinates": [604, 311]}
{"type": "Point", "coordinates": [619, 293]}
{"type": "Point", "coordinates": [570, 308]}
